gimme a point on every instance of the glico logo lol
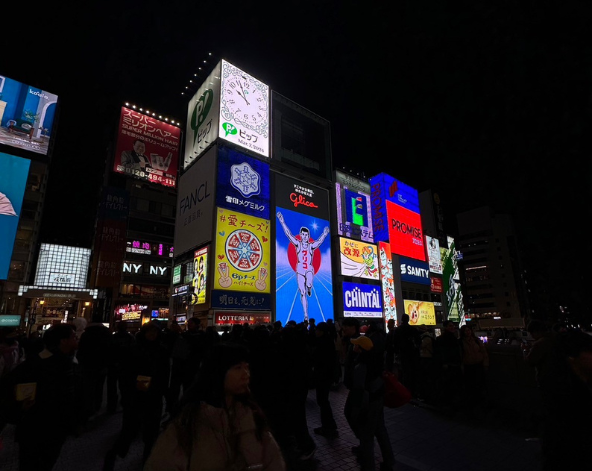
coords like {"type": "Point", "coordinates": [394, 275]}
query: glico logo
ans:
{"type": "Point", "coordinates": [301, 200]}
{"type": "Point", "coordinates": [405, 228]}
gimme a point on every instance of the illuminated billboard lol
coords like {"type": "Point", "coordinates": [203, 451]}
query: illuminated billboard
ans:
{"type": "Point", "coordinates": [244, 110]}
{"type": "Point", "coordinates": [203, 114]}
{"type": "Point", "coordinates": [200, 276]}
{"type": "Point", "coordinates": [242, 252]}
{"type": "Point", "coordinates": [386, 188]}
{"type": "Point", "coordinates": [434, 256]}
{"type": "Point", "coordinates": [414, 271]}
{"type": "Point", "coordinates": [62, 266]}
{"type": "Point", "coordinates": [354, 214]}
{"type": "Point", "coordinates": [243, 183]}
{"type": "Point", "coordinates": [358, 259]}
{"type": "Point", "coordinates": [405, 231]}
{"type": "Point", "coordinates": [361, 300]}
{"type": "Point", "coordinates": [453, 255]}
{"type": "Point", "coordinates": [13, 180]}
{"type": "Point", "coordinates": [147, 148]}
{"type": "Point", "coordinates": [452, 288]}
{"type": "Point", "coordinates": [195, 204]}
{"type": "Point", "coordinates": [27, 116]}
{"type": "Point", "coordinates": [387, 282]}
{"type": "Point", "coordinates": [149, 248]}
{"type": "Point", "coordinates": [436, 285]}
{"type": "Point", "coordinates": [420, 312]}
{"type": "Point", "coordinates": [304, 286]}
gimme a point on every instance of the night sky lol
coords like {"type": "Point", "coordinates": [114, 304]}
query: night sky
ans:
{"type": "Point", "coordinates": [487, 104]}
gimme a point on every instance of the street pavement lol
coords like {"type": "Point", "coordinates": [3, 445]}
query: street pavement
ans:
{"type": "Point", "coordinates": [423, 439]}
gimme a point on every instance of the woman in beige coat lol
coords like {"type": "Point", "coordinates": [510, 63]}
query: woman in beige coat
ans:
{"type": "Point", "coordinates": [218, 427]}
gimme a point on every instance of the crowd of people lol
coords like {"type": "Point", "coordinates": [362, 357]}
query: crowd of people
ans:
{"type": "Point", "coordinates": [236, 400]}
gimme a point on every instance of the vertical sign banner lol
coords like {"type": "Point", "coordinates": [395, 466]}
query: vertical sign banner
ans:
{"type": "Point", "coordinates": [386, 188]}
{"type": "Point", "coordinates": [453, 254]}
{"type": "Point", "coordinates": [14, 172]}
{"type": "Point", "coordinates": [386, 279]}
{"type": "Point", "coordinates": [454, 298]}
{"type": "Point", "coordinates": [434, 257]}
{"type": "Point", "coordinates": [244, 110]}
{"type": "Point", "coordinates": [200, 276]}
{"type": "Point", "coordinates": [195, 204]}
{"type": "Point", "coordinates": [358, 259]}
{"type": "Point", "coordinates": [242, 252]}
{"type": "Point", "coordinates": [405, 231]}
{"type": "Point", "coordinates": [27, 116]}
{"type": "Point", "coordinates": [420, 312]}
{"type": "Point", "coordinates": [203, 114]}
{"type": "Point", "coordinates": [303, 252]}
{"type": "Point", "coordinates": [361, 300]}
{"type": "Point", "coordinates": [147, 148]}
{"type": "Point", "coordinates": [354, 213]}
{"type": "Point", "coordinates": [243, 183]}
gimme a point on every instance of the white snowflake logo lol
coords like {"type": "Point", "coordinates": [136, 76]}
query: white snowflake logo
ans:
{"type": "Point", "coordinates": [245, 179]}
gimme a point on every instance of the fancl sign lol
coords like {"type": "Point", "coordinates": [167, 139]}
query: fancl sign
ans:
{"type": "Point", "coordinates": [361, 300]}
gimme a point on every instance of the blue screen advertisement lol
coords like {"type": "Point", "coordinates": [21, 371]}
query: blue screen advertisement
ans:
{"type": "Point", "coordinates": [415, 271]}
{"type": "Point", "coordinates": [304, 287]}
{"type": "Point", "coordinates": [14, 172]}
{"type": "Point", "coordinates": [386, 188]}
{"type": "Point", "coordinates": [361, 300]}
{"type": "Point", "coordinates": [243, 183]}
{"type": "Point", "coordinates": [26, 116]}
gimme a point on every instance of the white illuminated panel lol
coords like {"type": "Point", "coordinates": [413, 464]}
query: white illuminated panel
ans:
{"type": "Point", "coordinates": [61, 266]}
{"type": "Point", "coordinates": [244, 110]}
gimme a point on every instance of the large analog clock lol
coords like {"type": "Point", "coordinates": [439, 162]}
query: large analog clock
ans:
{"type": "Point", "coordinates": [244, 100]}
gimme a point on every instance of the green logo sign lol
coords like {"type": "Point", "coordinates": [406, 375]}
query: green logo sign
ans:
{"type": "Point", "coordinates": [200, 111]}
{"type": "Point", "coordinates": [229, 128]}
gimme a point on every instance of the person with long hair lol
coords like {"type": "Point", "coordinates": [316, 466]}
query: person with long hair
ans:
{"type": "Point", "coordinates": [218, 426]}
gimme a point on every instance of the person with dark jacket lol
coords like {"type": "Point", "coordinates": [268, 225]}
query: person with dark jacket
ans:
{"type": "Point", "coordinates": [93, 357]}
{"type": "Point", "coordinates": [144, 384]}
{"type": "Point", "coordinates": [119, 351]}
{"type": "Point", "coordinates": [406, 346]}
{"type": "Point", "coordinates": [49, 390]}
{"type": "Point", "coordinates": [448, 367]}
{"type": "Point", "coordinates": [323, 362]}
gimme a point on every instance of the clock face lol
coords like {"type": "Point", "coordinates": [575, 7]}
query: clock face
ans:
{"type": "Point", "coordinates": [245, 100]}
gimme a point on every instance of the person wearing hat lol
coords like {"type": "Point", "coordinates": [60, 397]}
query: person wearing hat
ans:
{"type": "Point", "coordinates": [367, 402]}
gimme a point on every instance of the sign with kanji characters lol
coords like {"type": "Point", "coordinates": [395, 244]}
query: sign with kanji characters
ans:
{"type": "Point", "coordinates": [242, 252]}
{"type": "Point", "coordinates": [243, 183]}
{"type": "Point", "coordinates": [147, 148]}
{"type": "Point", "coordinates": [224, 299]}
{"type": "Point", "coordinates": [358, 259]}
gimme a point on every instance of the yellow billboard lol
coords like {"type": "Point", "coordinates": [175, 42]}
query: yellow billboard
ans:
{"type": "Point", "coordinates": [242, 252]}
{"type": "Point", "coordinates": [358, 259]}
{"type": "Point", "coordinates": [420, 312]}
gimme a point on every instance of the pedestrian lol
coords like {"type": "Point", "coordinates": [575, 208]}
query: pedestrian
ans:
{"type": "Point", "coordinates": [426, 375]}
{"type": "Point", "coordinates": [93, 357]}
{"type": "Point", "coordinates": [120, 348]}
{"type": "Point", "coordinates": [448, 368]}
{"type": "Point", "coordinates": [475, 362]}
{"type": "Point", "coordinates": [390, 347]}
{"type": "Point", "coordinates": [350, 330]}
{"type": "Point", "coordinates": [324, 361]}
{"type": "Point", "coordinates": [144, 385]}
{"type": "Point", "coordinates": [406, 345]}
{"type": "Point", "coordinates": [219, 428]}
{"type": "Point", "coordinates": [367, 408]}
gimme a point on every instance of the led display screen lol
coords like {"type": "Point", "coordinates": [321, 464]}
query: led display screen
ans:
{"type": "Point", "coordinates": [244, 110]}
{"type": "Point", "coordinates": [436, 285]}
{"type": "Point", "coordinates": [242, 252]}
{"type": "Point", "coordinates": [146, 269]}
{"type": "Point", "coordinates": [433, 252]}
{"type": "Point", "coordinates": [452, 289]}
{"type": "Point", "coordinates": [203, 113]}
{"type": "Point", "coordinates": [231, 318]}
{"type": "Point", "coordinates": [453, 256]}
{"type": "Point", "coordinates": [147, 148]}
{"type": "Point", "coordinates": [62, 266]}
{"type": "Point", "coordinates": [354, 214]}
{"type": "Point", "coordinates": [420, 312]}
{"type": "Point", "coordinates": [13, 180]}
{"type": "Point", "coordinates": [358, 259]}
{"type": "Point", "coordinates": [200, 276]}
{"type": "Point", "coordinates": [405, 232]}
{"type": "Point", "coordinates": [195, 204]}
{"type": "Point", "coordinates": [27, 116]}
{"type": "Point", "coordinates": [149, 248]}
{"type": "Point", "coordinates": [414, 271]}
{"type": "Point", "coordinates": [386, 188]}
{"type": "Point", "coordinates": [387, 282]}
{"type": "Point", "coordinates": [243, 183]}
{"type": "Point", "coordinates": [177, 274]}
{"type": "Point", "coordinates": [10, 321]}
{"type": "Point", "coordinates": [361, 300]}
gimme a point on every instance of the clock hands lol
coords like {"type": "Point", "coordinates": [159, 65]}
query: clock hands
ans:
{"type": "Point", "coordinates": [243, 95]}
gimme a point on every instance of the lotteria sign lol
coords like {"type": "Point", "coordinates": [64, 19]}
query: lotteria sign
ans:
{"type": "Point", "coordinates": [414, 271]}
{"type": "Point", "coordinates": [405, 231]}
{"type": "Point", "coordinates": [386, 188]}
{"type": "Point", "coordinates": [361, 300]}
